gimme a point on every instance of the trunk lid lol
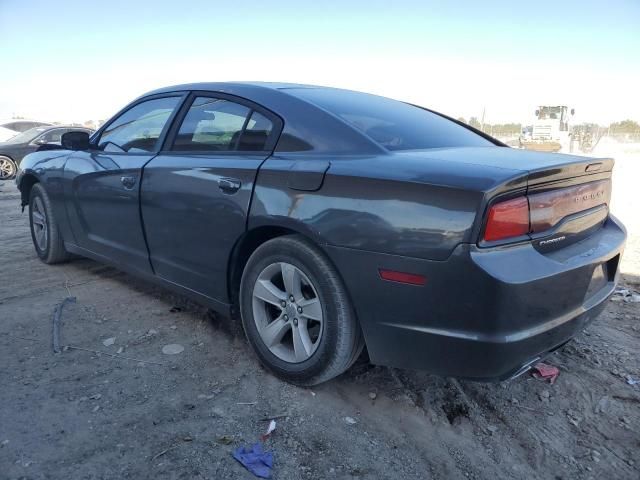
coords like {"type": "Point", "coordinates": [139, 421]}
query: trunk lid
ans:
{"type": "Point", "coordinates": [568, 195]}
{"type": "Point", "coordinates": [541, 167]}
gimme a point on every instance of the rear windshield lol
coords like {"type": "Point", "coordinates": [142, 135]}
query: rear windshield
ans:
{"type": "Point", "coordinates": [394, 125]}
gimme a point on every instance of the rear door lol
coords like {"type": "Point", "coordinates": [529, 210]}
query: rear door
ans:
{"type": "Point", "coordinates": [196, 192]}
{"type": "Point", "coordinates": [103, 184]}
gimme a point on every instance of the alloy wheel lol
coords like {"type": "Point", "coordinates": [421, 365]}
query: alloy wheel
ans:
{"type": "Point", "coordinates": [287, 312]}
{"type": "Point", "coordinates": [7, 169]}
{"type": "Point", "coordinates": [39, 223]}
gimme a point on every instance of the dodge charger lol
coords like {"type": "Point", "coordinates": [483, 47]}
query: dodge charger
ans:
{"type": "Point", "coordinates": [327, 220]}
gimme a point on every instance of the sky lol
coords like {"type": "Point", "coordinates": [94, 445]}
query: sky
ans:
{"type": "Point", "coordinates": [75, 61]}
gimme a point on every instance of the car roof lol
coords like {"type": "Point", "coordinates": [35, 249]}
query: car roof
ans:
{"type": "Point", "coordinates": [226, 86]}
{"type": "Point", "coordinates": [323, 131]}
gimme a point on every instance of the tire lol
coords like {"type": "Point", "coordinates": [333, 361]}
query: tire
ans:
{"type": "Point", "coordinates": [45, 233]}
{"type": "Point", "coordinates": [333, 342]}
{"type": "Point", "coordinates": [8, 168]}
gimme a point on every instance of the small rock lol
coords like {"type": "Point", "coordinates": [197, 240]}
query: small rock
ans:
{"type": "Point", "coordinates": [96, 396]}
{"type": "Point", "coordinates": [225, 440]}
{"type": "Point", "coordinates": [172, 349]}
{"type": "Point", "coordinates": [350, 420]}
{"type": "Point", "coordinates": [96, 408]}
{"type": "Point", "coordinates": [109, 341]}
{"type": "Point", "coordinates": [373, 395]}
{"type": "Point", "coordinates": [173, 327]}
{"type": "Point", "coordinates": [4, 443]}
{"type": "Point", "coordinates": [544, 395]}
{"type": "Point", "coordinates": [218, 412]}
{"type": "Point", "coordinates": [492, 429]}
{"type": "Point", "coordinates": [120, 350]}
{"type": "Point", "coordinates": [152, 331]}
{"type": "Point", "coordinates": [205, 397]}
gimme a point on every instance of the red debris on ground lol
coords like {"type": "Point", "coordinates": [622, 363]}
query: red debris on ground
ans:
{"type": "Point", "coordinates": [545, 372]}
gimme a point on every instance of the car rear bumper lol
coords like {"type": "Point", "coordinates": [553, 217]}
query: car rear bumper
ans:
{"type": "Point", "coordinates": [483, 313]}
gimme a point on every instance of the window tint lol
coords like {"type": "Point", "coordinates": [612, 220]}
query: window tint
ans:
{"type": "Point", "coordinates": [214, 124]}
{"type": "Point", "coordinates": [139, 128]}
{"type": "Point", "coordinates": [255, 136]}
{"type": "Point", "coordinates": [394, 125]}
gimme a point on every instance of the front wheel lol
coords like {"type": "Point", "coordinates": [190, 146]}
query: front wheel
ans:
{"type": "Point", "coordinates": [45, 233]}
{"type": "Point", "coordinates": [296, 313]}
{"type": "Point", "coordinates": [7, 168]}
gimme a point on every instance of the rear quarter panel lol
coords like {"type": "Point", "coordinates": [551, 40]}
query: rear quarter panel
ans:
{"type": "Point", "coordinates": [401, 206]}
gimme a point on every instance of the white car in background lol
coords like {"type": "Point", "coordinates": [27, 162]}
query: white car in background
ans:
{"type": "Point", "coordinates": [10, 128]}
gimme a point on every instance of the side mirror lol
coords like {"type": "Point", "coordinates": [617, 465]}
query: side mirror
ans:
{"type": "Point", "coordinates": [537, 113]}
{"type": "Point", "coordinates": [41, 141]}
{"type": "Point", "coordinates": [573, 111]}
{"type": "Point", "coordinates": [75, 140]}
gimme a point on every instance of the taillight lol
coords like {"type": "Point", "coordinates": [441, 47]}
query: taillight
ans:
{"type": "Point", "coordinates": [540, 212]}
{"type": "Point", "coordinates": [507, 219]}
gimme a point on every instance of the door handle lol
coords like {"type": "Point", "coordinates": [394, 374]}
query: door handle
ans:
{"type": "Point", "coordinates": [229, 185]}
{"type": "Point", "coordinates": [128, 181]}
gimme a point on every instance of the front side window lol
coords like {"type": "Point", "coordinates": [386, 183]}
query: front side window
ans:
{"type": "Point", "coordinates": [215, 124]}
{"type": "Point", "coordinates": [138, 129]}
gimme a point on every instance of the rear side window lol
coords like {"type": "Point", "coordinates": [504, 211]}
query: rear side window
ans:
{"type": "Point", "coordinates": [215, 124]}
{"type": "Point", "coordinates": [138, 129]}
{"type": "Point", "coordinates": [394, 125]}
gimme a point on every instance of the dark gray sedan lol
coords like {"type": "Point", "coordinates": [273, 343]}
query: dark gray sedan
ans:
{"type": "Point", "coordinates": [44, 137]}
{"type": "Point", "coordinates": [328, 220]}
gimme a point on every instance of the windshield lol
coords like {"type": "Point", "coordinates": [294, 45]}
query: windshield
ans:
{"type": "Point", "coordinates": [394, 125]}
{"type": "Point", "coordinates": [26, 137]}
{"type": "Point", "coordinates": [550, 113]}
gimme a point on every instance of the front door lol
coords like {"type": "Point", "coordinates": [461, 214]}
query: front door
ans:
{"type": "Point", "coordinates": [103, 184]}
{"type": "Point", "coordinates": [196, 192]}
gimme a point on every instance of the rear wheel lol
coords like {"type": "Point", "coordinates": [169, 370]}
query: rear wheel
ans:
{"type": "Point", "coordinates": [7, 168]}
{"type": "Point", "coordinates": [296, 313]}
{"type": "Point", "coordinates": [45, 233]}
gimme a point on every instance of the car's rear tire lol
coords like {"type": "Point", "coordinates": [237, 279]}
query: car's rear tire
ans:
{"type": "Point", "coordinates": [296, 312]}
{"type": "Point", "coordinates": [45, 233]}
{"type": "Point", "coordinates": [8, 168]}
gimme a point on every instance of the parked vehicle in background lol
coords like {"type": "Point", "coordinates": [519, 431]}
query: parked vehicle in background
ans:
{"type": "Point", "coordinates": [10, 128]}
{"type": "Point", "coordinates": [551, 130]}
{"type": "Point", "coordinates": [39, 138]}
{"type": "Point", "coordinates": [329, 219]}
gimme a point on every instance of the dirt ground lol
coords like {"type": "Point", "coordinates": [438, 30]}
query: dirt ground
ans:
{"type": "Point", "coordinates": [82, 414]}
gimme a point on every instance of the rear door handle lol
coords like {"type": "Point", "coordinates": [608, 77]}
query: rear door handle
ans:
{"type": "Point", "coordinates": [229, 185]}
{"type": "Point", "coordinates": [128, 181]}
